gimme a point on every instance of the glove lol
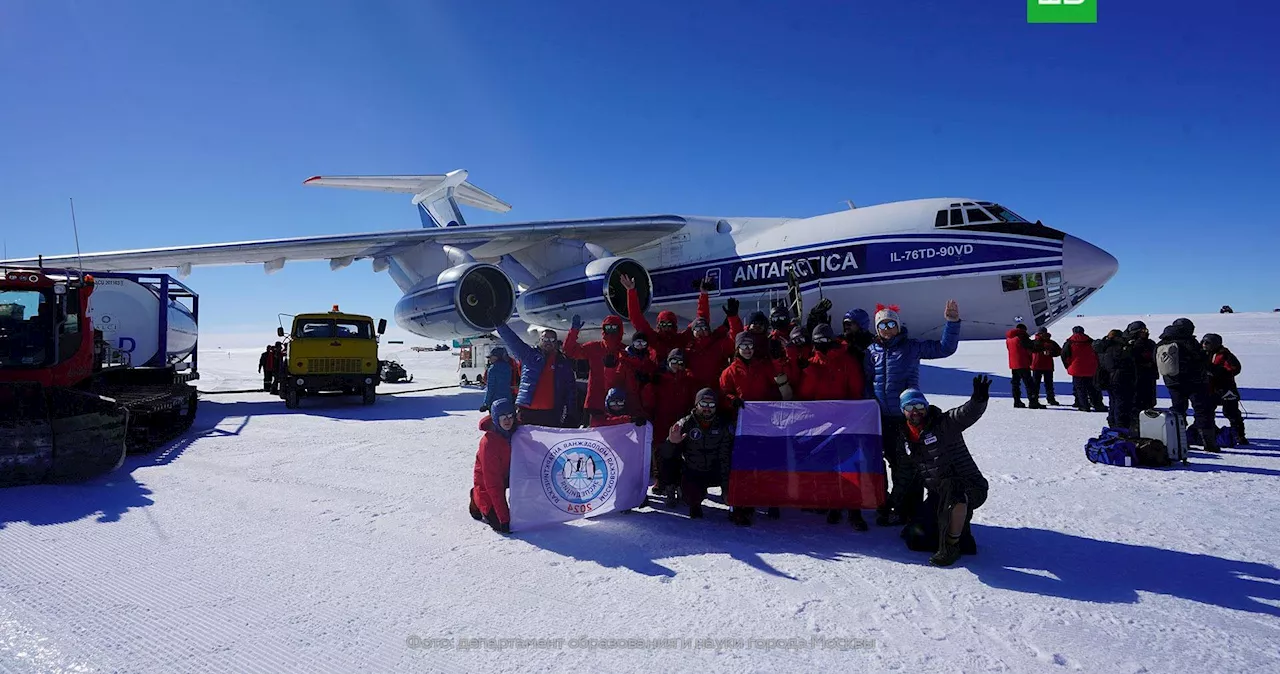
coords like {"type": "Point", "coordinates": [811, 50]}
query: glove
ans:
{"type": "Point", "coordinates": [577, 322]}
{"type": "Point", "coordinates": [611, 360]}
{"type": "Point", "coordinates": [484, 408]}
{"type": "Point", "coordinates": [707, 285]}
{"type": "Point", "coordinates": [981, 387]}
{"type": "Point", "coordinates": [738, 403]}
{"type": "Point", "coordinates": [731, 307]}
{"type": "Point", "coordinates": [697, 284]}
{"type": "Point", "coordinates": [823, 306]}
{"type": "Point", "coordinates": [639, 421]}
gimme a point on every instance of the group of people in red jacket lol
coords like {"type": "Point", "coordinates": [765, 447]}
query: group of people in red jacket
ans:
{"type": "Point", "coordinates": [658, 374]}
{"type": "Point", "coordinates": [1032, 363]}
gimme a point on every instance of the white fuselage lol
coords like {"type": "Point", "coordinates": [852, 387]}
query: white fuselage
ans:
{"type": "Point", "coordinates": [903, 253]}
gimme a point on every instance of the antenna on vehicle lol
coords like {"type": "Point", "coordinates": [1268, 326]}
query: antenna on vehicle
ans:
{"type": "Point", "coordinates": [850, 202]}
{"type": "Point", "coordinates": [76, 231]}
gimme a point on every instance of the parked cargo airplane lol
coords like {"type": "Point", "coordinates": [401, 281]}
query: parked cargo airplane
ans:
{"type": "Point", "coordinates": [462, 280]}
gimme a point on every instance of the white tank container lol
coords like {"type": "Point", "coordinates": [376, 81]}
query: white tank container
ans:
{"type": "Point", "coordinates": [128, 314]}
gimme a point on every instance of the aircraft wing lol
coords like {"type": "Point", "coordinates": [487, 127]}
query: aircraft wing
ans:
{"type": "Point", "coordinates": [484, 241]}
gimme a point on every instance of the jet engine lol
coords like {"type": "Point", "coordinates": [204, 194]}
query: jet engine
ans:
{"type": "Point", "coordinates": [463, 301]}
{"type": "Point", "coordinates": [593, 291]}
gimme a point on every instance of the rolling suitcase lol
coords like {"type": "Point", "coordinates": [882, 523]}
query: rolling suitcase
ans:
{"type": "Point", "coordinates": [1167, 427]}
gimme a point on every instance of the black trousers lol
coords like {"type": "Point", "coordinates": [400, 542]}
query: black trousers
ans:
{"type": "Point", "coordinates": [1087, 394]}
{"type": "Point", "coordinates": [1231, 410]}
{"type": "Point", "coordinates": [1205, 408]}
{"type": "Point", "coordinates": [1044, 381]}
{"type": "Point", "coordinates": [1120, 401]}
{"type": "Point", "coordinates": [1145, 396]}
{"type": "Point", "coordinates": [908, 488]}
{"type": "Point", "coordinates": [1021, 378]}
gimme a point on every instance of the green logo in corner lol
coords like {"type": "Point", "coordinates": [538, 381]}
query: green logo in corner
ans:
{"type": "Point", "coordinates": [1062, 11]}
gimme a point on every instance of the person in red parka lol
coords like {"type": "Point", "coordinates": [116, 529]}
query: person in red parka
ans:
{"type": "Point", "coordinates": [633, 368]}
{"type": "Point", "coordinates": [710, 350]}
{"type": "Point", "coordinates": [1044, 352]}
{"type": "Point", "coordinates": [750, 377]}
{"type": "Point", "coordinates": [615, 406]}
{"type": "Point", "coordinates": [599, 378]}
{"type": "Point", "coordinates": [668, 397]}
{"type": "Point", "coordinates": [1018, 342]}
{"type": "Point", "coordinates": [492, 472]}
{"type": "Point", "coordinates": [1081, 362]}
{"type": "Point", "coordinates": [667, 337]}
{"type": "Point", "coordinates": [829, 373]}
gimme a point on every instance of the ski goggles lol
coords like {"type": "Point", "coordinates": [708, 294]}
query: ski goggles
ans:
{"type": "Point", "coordinates": [747, 346]}
{"type": "Point", "coordinates": [640, 343]}
{"type": "Point", "coordinates": [822, 340]}
{"type": "Point", "coordinates": [887, 325]}
{"type": "Point", "coordinates": [548, 339]}
{"type": "Point", "coordinates": [675, 361]}
{"type": "Point", "coordinates": [666, 325]}
{"type": "Point", "coordinates": [507, 417]}
{"type": "Point", "coordinates": [707, 404]}
{"type": "Point", "coordinates": [612, 328]}
{"type": "Point", "coordinates": [914, 407]}
{"type": "Point", "coordinates": [796, 341]}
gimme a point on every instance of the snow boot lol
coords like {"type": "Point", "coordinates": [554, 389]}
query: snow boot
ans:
{"type": "Point", "coordinates": [1035, 404]}
{"type": "Point", "coordinates": [475, 509]}
{"type": "Point", "coordinates": [740, 516]}
{"type": "Point", "coordinates": [1017, 402]}
{"type": "Point", "coordinates": [695, 511]}
{"type": "Point", "coordinates": [856, 521]}
{"type": "Point", "coordinates": [889, 519]}
{"type": "Point", "coordinates": [834, 516]}
{"type": "Point", "coordinates": [775, 513]}
{"type": "Point", "coordinates": [948, 552]}
{"type": "Point", "coordinates": [1052, 401]}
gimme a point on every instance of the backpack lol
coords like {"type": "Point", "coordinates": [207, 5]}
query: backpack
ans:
{"type": "Point", "coordinates": [1151, 453]}
{"type": "Point", "coordinates": [1113, 448]}
{"type": "Point", "coordinates": [1167, 357]}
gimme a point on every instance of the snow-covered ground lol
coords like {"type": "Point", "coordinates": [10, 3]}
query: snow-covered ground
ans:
{"type": "Point", "coordinates": [336, 538]}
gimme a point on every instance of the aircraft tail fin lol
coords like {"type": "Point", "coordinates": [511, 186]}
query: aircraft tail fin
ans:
{"type": "Point", "coordinates": [437, 197]}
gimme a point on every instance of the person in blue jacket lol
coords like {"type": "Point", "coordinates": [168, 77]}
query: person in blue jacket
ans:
{"type": "Point", "coordinates": [548, 383]}
{"type": "Point", "coordinates": [893, 366]}
{"type": "Point", "coordinates": [497, 377]}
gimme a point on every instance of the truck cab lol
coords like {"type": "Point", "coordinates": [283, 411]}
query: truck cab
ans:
{"type": "Point", "coordinates": [333, 352]}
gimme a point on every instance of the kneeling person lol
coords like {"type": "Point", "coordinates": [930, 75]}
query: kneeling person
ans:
{"type": "Point", "coordinates": [936, 447]}
{"type": "Point", "coordinates": [697, 452]}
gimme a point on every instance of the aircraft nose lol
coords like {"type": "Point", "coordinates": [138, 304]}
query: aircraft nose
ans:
{"type": "Point", "coordinates": [1085, 265]}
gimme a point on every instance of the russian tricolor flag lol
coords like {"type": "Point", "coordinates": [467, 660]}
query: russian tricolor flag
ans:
{"type": "Point", "coordinates": [821, 454]}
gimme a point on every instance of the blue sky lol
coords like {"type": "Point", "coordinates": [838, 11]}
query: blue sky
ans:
{"type": "Point", "coordinates": [1151, 133]}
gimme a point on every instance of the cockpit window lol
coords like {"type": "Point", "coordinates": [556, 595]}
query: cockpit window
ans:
{"type": "Point", "coordinates": [1003, 214]}
{"type": "Point", "coordinates": [977, 215]}
{"type": "Point", "coordinates": [956, 218]}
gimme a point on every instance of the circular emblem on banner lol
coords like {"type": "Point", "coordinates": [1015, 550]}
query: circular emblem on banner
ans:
{"type": "Point", "coordinates": [580, 475]}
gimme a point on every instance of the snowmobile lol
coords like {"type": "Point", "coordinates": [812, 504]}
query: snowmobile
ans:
{"type": "Point", "coordinates": [393, 372]}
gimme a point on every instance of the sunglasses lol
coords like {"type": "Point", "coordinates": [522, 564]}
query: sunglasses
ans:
{"type": "Point", "coordinates": [639, 342]}
{"type": "Point", "coordinates": [707, 404]}
{"type": "Point", "coordinates": [675, 361]}
{"type": "Point", "coordinates": [822, 340]}
{"type": "Point", "coordinates": [747, 347]}
{"type": "Point", "coordinates": [666, 324]}
{"type": "Point", "coordinates": [915, 407]}
{"type": "Point", "coordinates": [887, 325]}
{"type": "Point", "coordinates": [612, 328]}
{"type": "Point", "coordinates": [507, 417]}
{"type": "Point", "coordinates": [548, 340]}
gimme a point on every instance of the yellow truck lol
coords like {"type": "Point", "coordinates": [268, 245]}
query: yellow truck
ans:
{"type": "Point", "coordinates": [330, 353]}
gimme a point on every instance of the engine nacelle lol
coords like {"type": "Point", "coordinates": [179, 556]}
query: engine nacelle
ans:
{"type": "Point", "coordinates": [593, 291]}
{"type": "Point", "coordinates": [463, 301]}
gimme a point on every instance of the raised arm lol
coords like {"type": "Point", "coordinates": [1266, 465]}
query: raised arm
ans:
{"type": "Point", "coordinates": [513, 342]}
{"type": "Point", "coordinates": [968, 413]}
{"type": "Point", "coordinates": [638, 321]}
{"type": "Point", "coordinates": [933, 349]}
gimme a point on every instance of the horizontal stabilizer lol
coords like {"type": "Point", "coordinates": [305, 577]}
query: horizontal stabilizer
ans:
{"type": "Point", "coordinates": [423, 187]}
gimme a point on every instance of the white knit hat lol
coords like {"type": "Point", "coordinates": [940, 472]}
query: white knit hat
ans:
{"type": "Point", "coordinates": [887, 313]}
